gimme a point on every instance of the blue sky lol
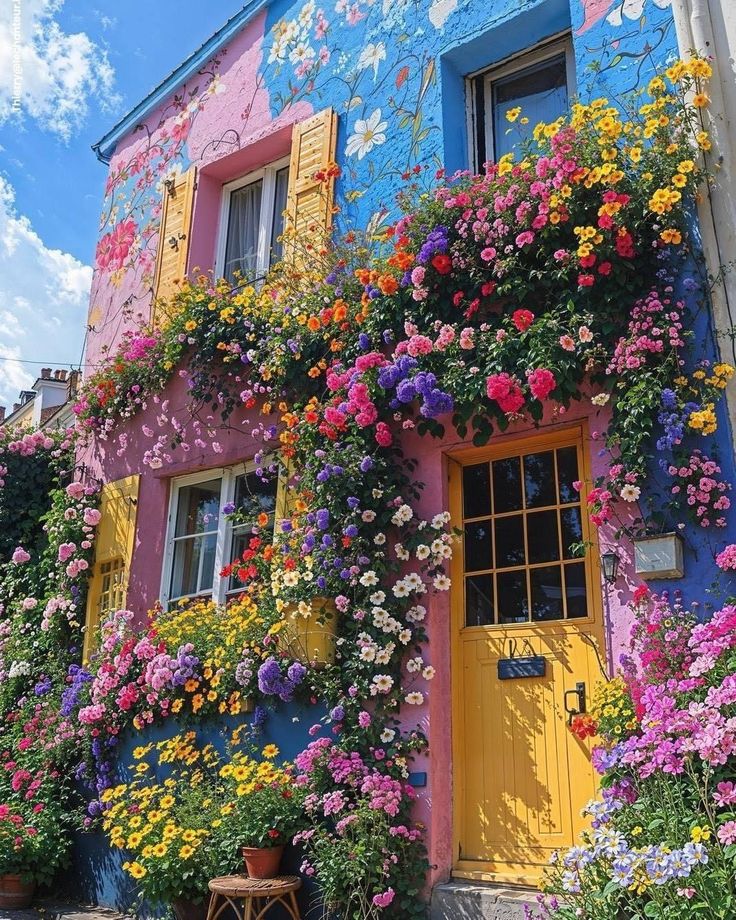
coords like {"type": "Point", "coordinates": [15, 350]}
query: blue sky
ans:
{"type": "Point", "coordinates": [78, 66]}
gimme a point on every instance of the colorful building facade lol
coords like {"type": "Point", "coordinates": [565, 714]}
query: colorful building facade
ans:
{"type": "Point", "coordinates": [200, 173]}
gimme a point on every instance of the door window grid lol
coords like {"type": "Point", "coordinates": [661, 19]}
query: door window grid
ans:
{"type": "Point", "coordinates": [251, 222]}
{"type": "Point", "coordinates": [221, 542]}
{"type": "Point", "coordinates": [517, 564]}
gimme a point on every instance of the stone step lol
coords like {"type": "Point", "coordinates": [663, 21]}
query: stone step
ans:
{"type": "Point", "coordinates": [48, 909]}
{"type": "Point", "coordinates": [464, 900]}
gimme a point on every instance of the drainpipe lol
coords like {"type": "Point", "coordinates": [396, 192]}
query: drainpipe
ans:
{"type": "Point", "coordinates": [717, 214]}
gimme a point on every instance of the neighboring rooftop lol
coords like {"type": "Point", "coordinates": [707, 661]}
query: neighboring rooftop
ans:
{"type": "Point", "coordinates": [52, 390]}
{"type": "Point", "coordinates": [105, 147]}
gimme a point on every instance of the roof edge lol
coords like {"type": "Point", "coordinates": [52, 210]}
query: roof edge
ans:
{"type": "Point", "coordinates": [105, 147]}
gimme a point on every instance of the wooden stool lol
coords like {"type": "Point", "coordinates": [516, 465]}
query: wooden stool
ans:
{"type": "Point", "coordinates": [258, 895]}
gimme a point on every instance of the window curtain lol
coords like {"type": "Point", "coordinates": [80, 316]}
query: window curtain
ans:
{"type": "Point", "coordinates": [279, 206]}
{"type": "Point", "coordinates": [241, 248]}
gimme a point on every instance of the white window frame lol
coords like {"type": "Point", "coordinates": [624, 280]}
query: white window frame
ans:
{"type": "Point", "coordinates": [265, 226]}
{"type": "Point", "coordinates": [223, 547]}
{"type": "Point", "coordinates": [528, 57]}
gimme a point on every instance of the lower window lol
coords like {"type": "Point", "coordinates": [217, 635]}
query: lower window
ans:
{"type": "Point", "coordinates": [212, 516]}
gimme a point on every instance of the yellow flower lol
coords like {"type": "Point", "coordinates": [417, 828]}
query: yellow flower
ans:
{"type": "Point", "coordinates": [136, 870]}
{"type": "Point", "coordinates": [186, 851]}
{"type": "Point", "coordinates": [700, 100]}
{"type": "Point", "coordinates": [190, 325]}
{"type": "Point", "coordinates": [270, 751]}
{"type": "Point", "coordinates": [167, 801]}
{"type": "Point", "coordinates": [134, 840]}
{"type": "Point", "coordinates": [699, 834]}
{"type": "Point", "coordinates": [513, 114]}
{"type": "Point", "coordinates": [160, 850]}
{"type": "Point", "coordinates": [673, 237]}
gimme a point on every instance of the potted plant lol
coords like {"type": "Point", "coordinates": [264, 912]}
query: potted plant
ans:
{"type": "Point", "coordinates": [32, 847]}
{"type": "Point", "coordinates": [266, 812]}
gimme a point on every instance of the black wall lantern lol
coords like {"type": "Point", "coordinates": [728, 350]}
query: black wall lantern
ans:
{"type": "Point", "coordinates": [609, 563]}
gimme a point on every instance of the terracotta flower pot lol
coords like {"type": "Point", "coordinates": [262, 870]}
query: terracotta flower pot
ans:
{"type": "Point", "coordinates": [14, 892]}
{"type": "Point", "coordinates": [262, 862]}
{"type": "Point", "coordinates": [188, 910]}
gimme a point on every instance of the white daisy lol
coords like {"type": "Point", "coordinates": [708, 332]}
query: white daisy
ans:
{"type": "Point", "coordinates": [428, 672]}
{"type": "Point", "coordinates": [416, 614]}
{"type": "Point", "coordinates": [378, 597]}
{"type": "Point", "coordinates": [368, 133]}
{"type": "Point", "coordinates": [388, 735]}
{"type": "Point", "coordinates": [371, 56]}
{"type": "Point", "coordinates": [369, 578]}
{"type": "Point", "coordinates": [382, 683]}
{"type": "Point", "coordinates": [630, 493]}
{"type": "Point", "coordinates": [415, 698]}
{"type": "Point", "coordinates": [441, 583]}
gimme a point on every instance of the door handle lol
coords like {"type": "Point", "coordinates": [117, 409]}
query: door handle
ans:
{"type": "Point", "coordinates": [580, 702]}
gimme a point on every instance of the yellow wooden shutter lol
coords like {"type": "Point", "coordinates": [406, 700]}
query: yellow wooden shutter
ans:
{"type": "Point", "coordinates": [173, 243]}
{"type": "Point", "coordinates": [310, 201]}
{"type": "Point", "coordinates": [113, 553]}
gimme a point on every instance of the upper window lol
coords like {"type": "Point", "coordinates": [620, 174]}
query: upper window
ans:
{"type": "Point", "coordinates": [210, 521]}
{"type": "Point", "coordinates": [539, 83]}
{"type": "Point", "coordinates": [252, 222]}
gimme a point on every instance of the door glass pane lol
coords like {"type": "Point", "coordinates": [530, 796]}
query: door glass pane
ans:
{"type": "Point", "coordinates": [198, 508]}
{"type": "Point", "coordinates": [477, 542]}
{"type": "Point", "coordinates": [542, 537]}
{"type": "Point", "coordinates": [243, 224]}
{"type": "Point", "coordinates": [279, 206]}
{"type": "Point", "coordinates": [575, 592]}
{"type": "Point", "coordinates": [539, 480]}
{"type": "Point", "coordinates": [567, 472]}
{"type": "Point", "coordinates": [479, 600]}
{"type": "Point", "coordinates": [507, 485]}
{"type": "Point", "coordinates": [193, 569]}
{"type": "Point", "coordinates": [541, 93]}
{"type": "Point", "coordinates": [513, 606]}
{"type": "Point", "coordinates": [572, 530]}
{"type": "Point", "coordinates": [546, 585]}
{"type": "Point", "coordinates": [509, 541]}
{"type": "Point", "coordinates": [477, 490]}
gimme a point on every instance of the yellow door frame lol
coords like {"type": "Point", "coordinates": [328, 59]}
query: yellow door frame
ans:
{"type": "Point", "coordinates": [567, 436]}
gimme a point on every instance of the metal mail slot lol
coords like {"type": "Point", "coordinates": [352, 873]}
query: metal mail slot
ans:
{"type": "Point", "coordinates": [515, 668]}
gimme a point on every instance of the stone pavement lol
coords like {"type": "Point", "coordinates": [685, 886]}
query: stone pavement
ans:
{"type": "Point", "coordinates": [57, 910]}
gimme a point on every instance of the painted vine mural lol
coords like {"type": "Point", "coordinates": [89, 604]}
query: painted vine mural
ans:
{"type": "Point", "coordinates": [364, 59]}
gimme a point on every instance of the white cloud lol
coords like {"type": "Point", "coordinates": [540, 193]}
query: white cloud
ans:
{"type": "Point", "coordinates": [43, 300]}
{"type": "Point", "coordinates": [47, 73]}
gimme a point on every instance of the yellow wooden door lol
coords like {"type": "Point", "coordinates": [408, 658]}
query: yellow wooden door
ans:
{"type": "Point", "coordinates": [520, 777]}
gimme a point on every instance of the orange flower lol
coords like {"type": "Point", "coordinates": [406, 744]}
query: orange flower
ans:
{"type": "Point", "coordinates": [387, 284]}
{"type": "Point", "coordinates": [313, 323]}
{"type": "Point", "coordinates": [340, 311]}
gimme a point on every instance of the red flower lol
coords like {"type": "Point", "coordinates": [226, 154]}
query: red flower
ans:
{"type": "Point", "coordinates": [273, 833]}
{"type": "Point", "coordinates": [505, 390]}
{"type": "Point", "coordinates": [586, 280]}
{"type": "Point", "coordinates": [442, 263]}
{"type": "Point", "coordinates": [522, 319]}
{"type": "Point", "coordinates": [583, 726]}
{"type": "Point", "coordinates": [541, 382]}
{"type": "Point", "coordinates": [604, 268]}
